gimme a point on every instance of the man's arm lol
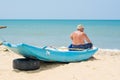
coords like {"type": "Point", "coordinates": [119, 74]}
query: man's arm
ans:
{"type": "Point", "coordinates": [71, 36]}
{"type": "Point", "coordinates": [86, 38]}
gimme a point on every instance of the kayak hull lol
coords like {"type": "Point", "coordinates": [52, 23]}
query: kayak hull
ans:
{"type": "Point", "coordinates": [46, 54]}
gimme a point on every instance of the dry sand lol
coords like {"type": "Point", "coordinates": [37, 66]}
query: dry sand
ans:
{"type": "Point", "coordinates": [104, 66]}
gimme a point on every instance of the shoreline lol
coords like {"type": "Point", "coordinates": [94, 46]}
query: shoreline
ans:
{"type": "Point", "coordinates": [103, 66]}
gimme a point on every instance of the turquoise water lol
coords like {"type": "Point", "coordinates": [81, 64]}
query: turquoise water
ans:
{"type": "Point", "coordinates": [103, 33]}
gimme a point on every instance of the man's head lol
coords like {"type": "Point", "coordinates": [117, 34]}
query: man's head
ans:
{"type": "Point", "coordinates": [80, 28]}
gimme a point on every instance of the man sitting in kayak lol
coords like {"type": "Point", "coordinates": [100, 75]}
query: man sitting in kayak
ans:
{"type": "Point", "coordinates": [79, 39]}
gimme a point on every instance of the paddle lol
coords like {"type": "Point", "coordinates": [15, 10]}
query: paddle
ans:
{"type": "Point", "coordinates": [1, 27]}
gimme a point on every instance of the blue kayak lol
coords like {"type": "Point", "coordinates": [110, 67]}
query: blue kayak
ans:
{"type": "Point", "coordinates": [49, 54]}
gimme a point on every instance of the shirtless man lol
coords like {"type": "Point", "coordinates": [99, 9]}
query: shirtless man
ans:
{"type": "Point", "coordinates": [79, 39]}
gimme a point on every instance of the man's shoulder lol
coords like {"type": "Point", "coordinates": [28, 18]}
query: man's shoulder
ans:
{"type": "Point", "coordinates": [83, 33]}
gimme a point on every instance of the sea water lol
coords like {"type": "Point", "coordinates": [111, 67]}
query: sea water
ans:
{"type": "Point", "coordinates": [103, 33]}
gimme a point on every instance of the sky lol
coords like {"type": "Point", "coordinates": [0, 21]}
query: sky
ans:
{"type": "Point", "coordinates": [60, 9]}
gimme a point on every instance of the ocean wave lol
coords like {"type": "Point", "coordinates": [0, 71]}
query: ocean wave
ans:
{"type": "Point", "coordinates": [110, 52]}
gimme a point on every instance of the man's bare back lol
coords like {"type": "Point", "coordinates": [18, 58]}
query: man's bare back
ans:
{"type": "Point", "coordinates": [79, 37]}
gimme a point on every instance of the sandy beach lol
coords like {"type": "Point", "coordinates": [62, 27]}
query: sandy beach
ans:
{"type": "Point", "coordinates": [104, 66]}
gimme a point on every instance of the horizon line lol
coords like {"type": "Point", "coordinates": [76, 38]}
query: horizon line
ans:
{"type": "Point", "coordinates": [59, 19]}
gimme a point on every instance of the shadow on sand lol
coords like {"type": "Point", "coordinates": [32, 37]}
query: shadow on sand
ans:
{"type": "Point", "coordinates": [44, 66]}
{"type": "Point", "coordinates": [50, 65]}
{"type": "Point", "coordinates": [92, 58]}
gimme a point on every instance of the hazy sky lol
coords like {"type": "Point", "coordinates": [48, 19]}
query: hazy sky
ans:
{"type": "Point", "coordinates": [59, 9]}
